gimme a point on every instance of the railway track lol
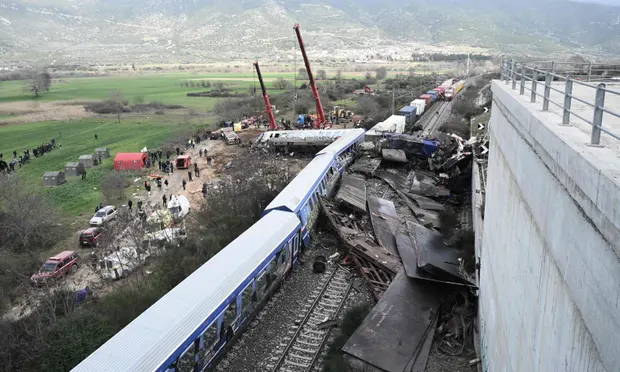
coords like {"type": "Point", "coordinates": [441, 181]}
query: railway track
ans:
{"type": "Point", "coordinates": [435, 119]}
{"type": "Point", "coordinates": [304, 342]}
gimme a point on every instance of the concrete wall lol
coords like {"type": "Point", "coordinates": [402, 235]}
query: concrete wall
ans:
{"type": "Point", "coordinates": [550, 272]}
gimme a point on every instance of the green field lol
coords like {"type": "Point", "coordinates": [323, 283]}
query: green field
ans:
{"type": "Point", "coordinates": [164, 88]}
{"type": "Point", "coordinates": [78, 138]}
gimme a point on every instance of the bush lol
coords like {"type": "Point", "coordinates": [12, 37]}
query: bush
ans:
{"type": "Point", "coordinates": [107, 107]}
{"type": "Point", "coordinates": [73, 338]}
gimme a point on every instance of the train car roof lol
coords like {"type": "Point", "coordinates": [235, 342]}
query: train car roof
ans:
{"type": "Point", "coordinates": [298, 190]}
{"type": "Point", "coordinates": [153, 338]}
{"type": "Point", "coordinates": [306, 133]}
{"type": "Point", "coordinates": [339, 145]}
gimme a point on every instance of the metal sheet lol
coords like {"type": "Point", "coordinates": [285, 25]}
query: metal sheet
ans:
{"type": "Point", "coordinates": [419, 365]}
{"type": "Point", "coordinates": [366, 166]}
{"type": "Point", "coordinates": [397, 327]}
{"type": "Point", "coordinates": [407, 254]}
{"type": "Point", "coordinates": [397, 156]}
{"type": "Point", "coordinates": [394, 180]}
{"type": "Point", "coordinates": [425, 203]}
{"type": "Point", "coordinates": [434, 257]}
{"type": "Point", "coordinates": [353, 192]}
{"type": "Point", "coordinates": [384, 222]}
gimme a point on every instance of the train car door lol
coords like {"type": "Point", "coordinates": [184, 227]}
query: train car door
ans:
{"type": "Point", "coordinates": [295, 248]}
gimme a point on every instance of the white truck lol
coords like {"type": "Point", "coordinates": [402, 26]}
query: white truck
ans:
{"type": "Point", "coordinates": [121, 263]}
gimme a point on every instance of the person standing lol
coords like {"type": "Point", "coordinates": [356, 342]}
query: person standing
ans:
{"type": "Point", "coordinates": [163, 199]}
{"type": "Point", "coordinates": [129, 204]}
{"type": "Point", "coordinates": [139, 205]}
{"type": "Point", "coordinates": [189, 174]}
{"type": "Point", "coordinates": [83, 174]}
{"type": "Point", "coordinates": [184, 183]}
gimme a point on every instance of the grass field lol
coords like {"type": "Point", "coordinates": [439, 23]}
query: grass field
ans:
{"type": "Point", "coordinates": [78, 138]}
{"type": "Point", "coordinates": [164, 88]}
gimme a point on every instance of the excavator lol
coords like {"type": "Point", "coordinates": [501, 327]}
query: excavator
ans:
{"type": "Point", "coordinates": [320, 121]}
{"type": "Point", "coordinates": [269, 110]}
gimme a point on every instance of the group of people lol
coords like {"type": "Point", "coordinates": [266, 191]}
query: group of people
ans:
{"type": "Point", "coordinates": [25, 158]}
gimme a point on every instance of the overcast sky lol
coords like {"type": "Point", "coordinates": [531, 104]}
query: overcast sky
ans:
{"type": "Point", "coordinates": [607, 2]}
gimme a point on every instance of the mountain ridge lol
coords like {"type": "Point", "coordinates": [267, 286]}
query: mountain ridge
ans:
{"type": "Point", "coordinates": [194, 30]}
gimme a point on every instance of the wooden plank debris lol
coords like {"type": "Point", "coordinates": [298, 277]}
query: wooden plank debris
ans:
{"type": "Point", "coordinates": [353, 192]}
{"type": "Point", "coordinates": [385, 222]}
{"type": "Point", "coordinates": [374, 262]}
{"type": "Point", "coordinates": [397, 156]}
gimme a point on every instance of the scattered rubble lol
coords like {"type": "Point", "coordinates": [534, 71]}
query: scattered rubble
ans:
{"type": "Point", "coordinates": [407, 248]}
{"type": "Point", "coordinates": [397, 156]}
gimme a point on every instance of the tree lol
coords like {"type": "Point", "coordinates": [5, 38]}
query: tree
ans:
{"type": "Point", "coordinates": [38, 82]}
{"type": "Point", "coordinates": [116, 97]}
{"type": "Point", "coordinates": [281, 84]}
{"type": "Point", "coordinates": [321, 75]}
{"type": "Point", "coordinates": [113, 185]}
{"type": "Point", "coordinates": [218, 86]}
{"type": "Point", "coordinates": [302, 74]}
{"type": "Point", "coordinates": [27, 220]}
{"type": "Point", "coordinates": [381, 73]}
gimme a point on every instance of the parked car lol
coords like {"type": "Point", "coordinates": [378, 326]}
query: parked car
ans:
{"type": "Point", "coordinates": [91, 236]}
{"type": "Point", "coordinates": [56, 267]}
{"type": "Point", "coordinates": [103, 215]}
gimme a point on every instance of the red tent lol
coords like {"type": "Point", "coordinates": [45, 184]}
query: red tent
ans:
{"type": "Point", "coordinates": [130, 160]}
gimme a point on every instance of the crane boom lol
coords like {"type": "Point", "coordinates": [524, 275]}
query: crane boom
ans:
{"type": "Point", "coordinates": [272, 119]}
{"type": "Point", "coordinates": [315, 92]}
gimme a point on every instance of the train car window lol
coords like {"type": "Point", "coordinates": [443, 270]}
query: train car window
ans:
{"type": "Point", "coordinates": [231, 313]}
{"type": "Point", "coordinates": [247, 304]}
{"type": "Point", "coordinates": [261, 286]}
{"type": "Point", "coordinates": [209, 340]}
{"type": "Point", "coordinates": [188, 359]}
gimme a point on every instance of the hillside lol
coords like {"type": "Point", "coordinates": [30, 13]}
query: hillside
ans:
{"type": "Point", "coordinates": [160, 31]}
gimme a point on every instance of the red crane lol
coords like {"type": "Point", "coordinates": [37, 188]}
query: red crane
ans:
{"type": "Point", "coordinates": [272, 119]}
{"type": "Point", "coordinates": [315, 92]}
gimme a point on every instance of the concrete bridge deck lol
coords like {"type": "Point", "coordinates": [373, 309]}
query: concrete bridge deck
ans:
{"type": "Point", "coordinates": [550, 267]}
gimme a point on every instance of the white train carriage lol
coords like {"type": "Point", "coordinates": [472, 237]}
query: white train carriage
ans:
{"type": "Point", "coordinates": [343, 148]}
{"type": "Point", "coordinates": [301, 195]}
{"type": "Point", "coordinates": [189, 328]}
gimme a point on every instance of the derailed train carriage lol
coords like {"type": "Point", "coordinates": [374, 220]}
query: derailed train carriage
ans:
{"type": "Point", "coordinates": [190, 327]}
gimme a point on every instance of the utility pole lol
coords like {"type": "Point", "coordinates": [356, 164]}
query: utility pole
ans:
{"type": "Point", "coordinates": [393, 101]}
{"type": "Point", "coordinates": [467, 73]}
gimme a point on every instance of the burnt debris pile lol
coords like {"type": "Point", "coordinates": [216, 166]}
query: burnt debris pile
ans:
{"type": "Point", "coordinates": [403, 216]}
